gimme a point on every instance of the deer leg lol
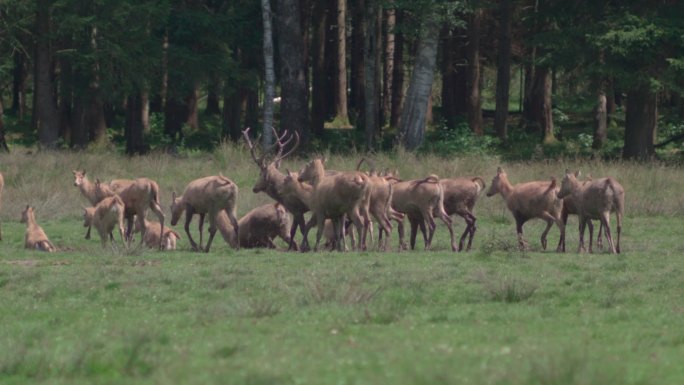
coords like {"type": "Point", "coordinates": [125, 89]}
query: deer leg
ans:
{"type": "Point", "coordinates": [605, 219]}
{"type": "Point", "coordinates": [590, 225]}
{"type": "Point", "coordinates": [212, 232]}
{"type": "Point", "coordinates": [582, 224]}
{"type": "Point", "coordinates": [414, 232]}
{"type": "Point", "coordinates": [320, 223]}
{"type": "Point", "coordinates": [234, 222]}
{"type": "Point", "coordinates": [157, 210]}
{"type": "Point", "coordinates": [189, 212]}
{"type": "Point", "coordinates": [618, 218]}
{"type": "Point", "coordinates": [519, 222]}
{"type": "Point", "coordinates": [87, 236]}
{"type": "Point", "coordinates": [549, 223]}
{"type": "Point", "coordinates": [449, 224]}
{"type": "Point", "coordinates": [599, 237]}
{"type": "Point", "coordinates": [201, 227]}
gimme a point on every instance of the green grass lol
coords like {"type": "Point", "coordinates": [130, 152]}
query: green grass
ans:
{"type": "Point", "coordinates": [491, 316]}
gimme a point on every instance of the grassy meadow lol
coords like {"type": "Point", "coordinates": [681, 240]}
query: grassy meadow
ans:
{"type": "Point", "coordinates": [494, 315]}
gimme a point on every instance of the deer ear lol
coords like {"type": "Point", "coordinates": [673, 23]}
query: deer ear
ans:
{"type": "Point", "coordinates": [499, 170]}
{"type": "Point", "coordinates": [288, 172]}
{"type": "Point", "coordinates": [578, 173]}
{"type": "Point", "coordinates": [173, 195]}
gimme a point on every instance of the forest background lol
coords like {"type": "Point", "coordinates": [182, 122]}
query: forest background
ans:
{"type": "Point", "coordinates": [524, 79]}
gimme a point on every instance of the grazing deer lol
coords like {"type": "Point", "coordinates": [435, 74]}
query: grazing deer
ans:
{"type": "Point", "coordinates": [35, 238]}
{"type": "Point", "coordinates": [137, 195]}
{"type": "Point", "coordinates": [271, 181]}
{"type": "Point", "coordinates": [208, 195]}
{"type": "Point", "coordinates": [334, 196]}
{"type": "Point", "coordinates": [529, 200]}
{"type": "Point", "coordinates": [595, 199]}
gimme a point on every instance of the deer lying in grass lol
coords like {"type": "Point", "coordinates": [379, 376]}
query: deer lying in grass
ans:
{"type": "Point", "coordinates": [137, 195]}
{"type": "Point", "coordinates": [2, 185]}
{"type": "Point", "coordinates": [304, 191]}
{"type": "Point", "coordinates": [258, 228]}
{"type": "Point", "coordinates": [531, 200]}
{"type": "Point", "coordinates": [271, 181]}
{"type": "Point", "coordinates": [208, 195]}
{"type": "Point", "coordinates": [106, 216]}
{"type": "Point", "coordinates": [152, 236]}
{"type": "Point", "coordinates": [334, 196]}
{"type": "Point", "coordinates": [35, 238]}
{"type": "Point", "coordinates": [89, 190]}
{"type": "Point", "coordinates": [420, 200]}
{"type": "Point", "coordinates": [596, 199]}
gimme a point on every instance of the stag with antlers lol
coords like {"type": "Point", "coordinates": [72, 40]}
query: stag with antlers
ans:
{"type": "Point", "coordinates": [271, 181]}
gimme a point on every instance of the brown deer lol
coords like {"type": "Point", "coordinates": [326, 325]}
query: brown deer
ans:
{"type": "Point", "coordinates": [153, 235]}
{"type": "Point", "coordinates": [460, 196]}
{"type": "Point", "coordinates": [208, 195]}
{"type": "Point", "coordinates": [334, 196]}
{"type": "Point", "coordinates": [271, 180]}
{"type": "Point", "coordinates": [108, 215]}
{"type": "Point", "coordinates": [596, 199]}
{"type": "Point", "coordinates": [529, 200]}
{"type": "Point", "coordinates": [35, 238]}
{"type": "Point", "coordinates": [89, 191]}
{"type": "Point", "coordinates": [137, 195]}
{"type": "Point", "coordinates": [420, 200]}
{"type": "Point", "coordinates": [258, 228]}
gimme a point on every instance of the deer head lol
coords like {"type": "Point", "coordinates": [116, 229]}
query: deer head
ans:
{"type": "Point", "coordinates": [269, 169]}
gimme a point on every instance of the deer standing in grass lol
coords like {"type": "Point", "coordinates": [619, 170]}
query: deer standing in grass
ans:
{"type": "Point", "coordinates": [380, 206]}
{"type": "Point", "coordinates": [570, 207]}
{"type": "Point", "coordinates": [460, 196]}
{"type": "Point", "coordinates": [334, 196]}
{"type": "Point", "coordinates": [2, 185]}
{"type": "Point", "coordinates": [271, 181]}
{"type": "Point", "coordinates": [258, 228]}
{"type": "Point", "coordinates": [108, 215]}
{"type": "Point", "coordinates": [89, 190]}
{"type": "Point", "coordinates": [420, 200]}
{"type": "Point", "coordinates": [305, 192]}
{"type": "Point", "coordinates": [596, 199]}
{"type": "Point", "coordinates": [208, 195]}
{"type": "Point", "coordinates": [529, 200]}
{"type": "Point", "coordinates": [35, 238]}
{"type": "Point", "coordinates": [137, 195]}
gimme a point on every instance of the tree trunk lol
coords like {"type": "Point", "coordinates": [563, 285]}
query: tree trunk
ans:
{"type": "Point", "coordinates": [503, 71]}
{"type": "Point", "coordinates": [134, 127]}
{"type": "Point", "coordinates": [371, 51]}
{"type": "Point", "coordinates": [232, 113]}
{"type": "Point", "coordinates": [175, 114]}
{"type": "Point", "coordinates": [294, 106]}
{"type": "Point", "coordinates": [357, 78]}
{"type": "Point", "coordinates": [341, 112]}
{"type": "Point", "coordinates": [19, 85]}
{"type": "Point", "coordinates": [397, 73]}
{"type": "Point", "coordinates": [640, 123]}
{"type": "Point", "coordinates": [453, 76]}
{"type": "Point", "coordinates": [213, 90]}
{"type": "Point", "coordinates": [269, 75]}
{"type": "Point", "coordinates": [318, 74]}
{"type": "Point", "coordinates": [330, 59]}
{"type": "Point", "coordinates": [390, 23]}
{"type": "Point", "coordinates": [3, 140]}
{"type": "Point", "coordinates": [540, 105]}
{"type": "Point", "coordinates": [46, 115]}
{"type": "Point", "coordinates": [473, 73]}
{"type": "Point", "coordinates": [412, 125]}
{"type": "Point", "coordinates": [600, 121]}
{"type": "Point", "coordinates": [191, 105]}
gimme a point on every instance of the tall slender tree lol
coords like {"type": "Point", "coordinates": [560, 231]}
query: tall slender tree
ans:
{"type": "Point", "coordinates": [269, 75]}
{"type": "Point", "coordinates": [45, 113]}
{"type": "Point", "coordinates": [503, 70]}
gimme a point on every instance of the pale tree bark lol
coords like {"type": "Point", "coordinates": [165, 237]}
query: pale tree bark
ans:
{"type": "Point", "coordinates": [193, 114]}
{"type": "Point", "coordinates": [600, 121]}
{"type": "Point", "coordinates": [46, 115]}
{"type": "Point", "coordinates": [269, 75]}
{"type": "Point", "coordinates": [397, 74]}
{"type": "Point", "coordinates": [294, 105]}
{"type": "Point", "coordinates": [390, 23]}
{"type": "Point", "coordinates": [341, 111]}
{"type": "Point", "coordinates": [412, 124]}
{"type": "Point", "coordinates": [540, 105]}
{"type": "Point", "coordinates": [134, 127]}
{"type": "Point", "coordinates": [473, 73]}
{"type": "Point", "coordinates": [371, 51]}
{"type": "Point", "coordinates": [503, 71]}
{"type": "Point", "coordinates": [640, 123]}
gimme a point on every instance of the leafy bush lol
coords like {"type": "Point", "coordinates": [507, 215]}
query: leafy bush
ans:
{"type": "Point", "coordinates": [459, 140]}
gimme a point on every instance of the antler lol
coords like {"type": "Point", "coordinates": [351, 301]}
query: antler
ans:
{"type": "Point", "coordinates": [252, 149]}
{"type": "Point", "coordinates": [281, 145]}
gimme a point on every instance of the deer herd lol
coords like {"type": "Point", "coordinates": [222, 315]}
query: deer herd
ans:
{"type": "Point", "coordinates": [337, 201]}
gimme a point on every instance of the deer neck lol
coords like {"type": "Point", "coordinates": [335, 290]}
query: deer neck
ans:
{"type": "Point", "coordinates": [505, 187]}
{"type": "Point", "coordinates": [31, 220]}
{"type": "Point", "coordinates": [88, 190]}
{"type": "Point", "coordinates": [276, 181]}
{"type": "Point", "coordinates": [319, 172]}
